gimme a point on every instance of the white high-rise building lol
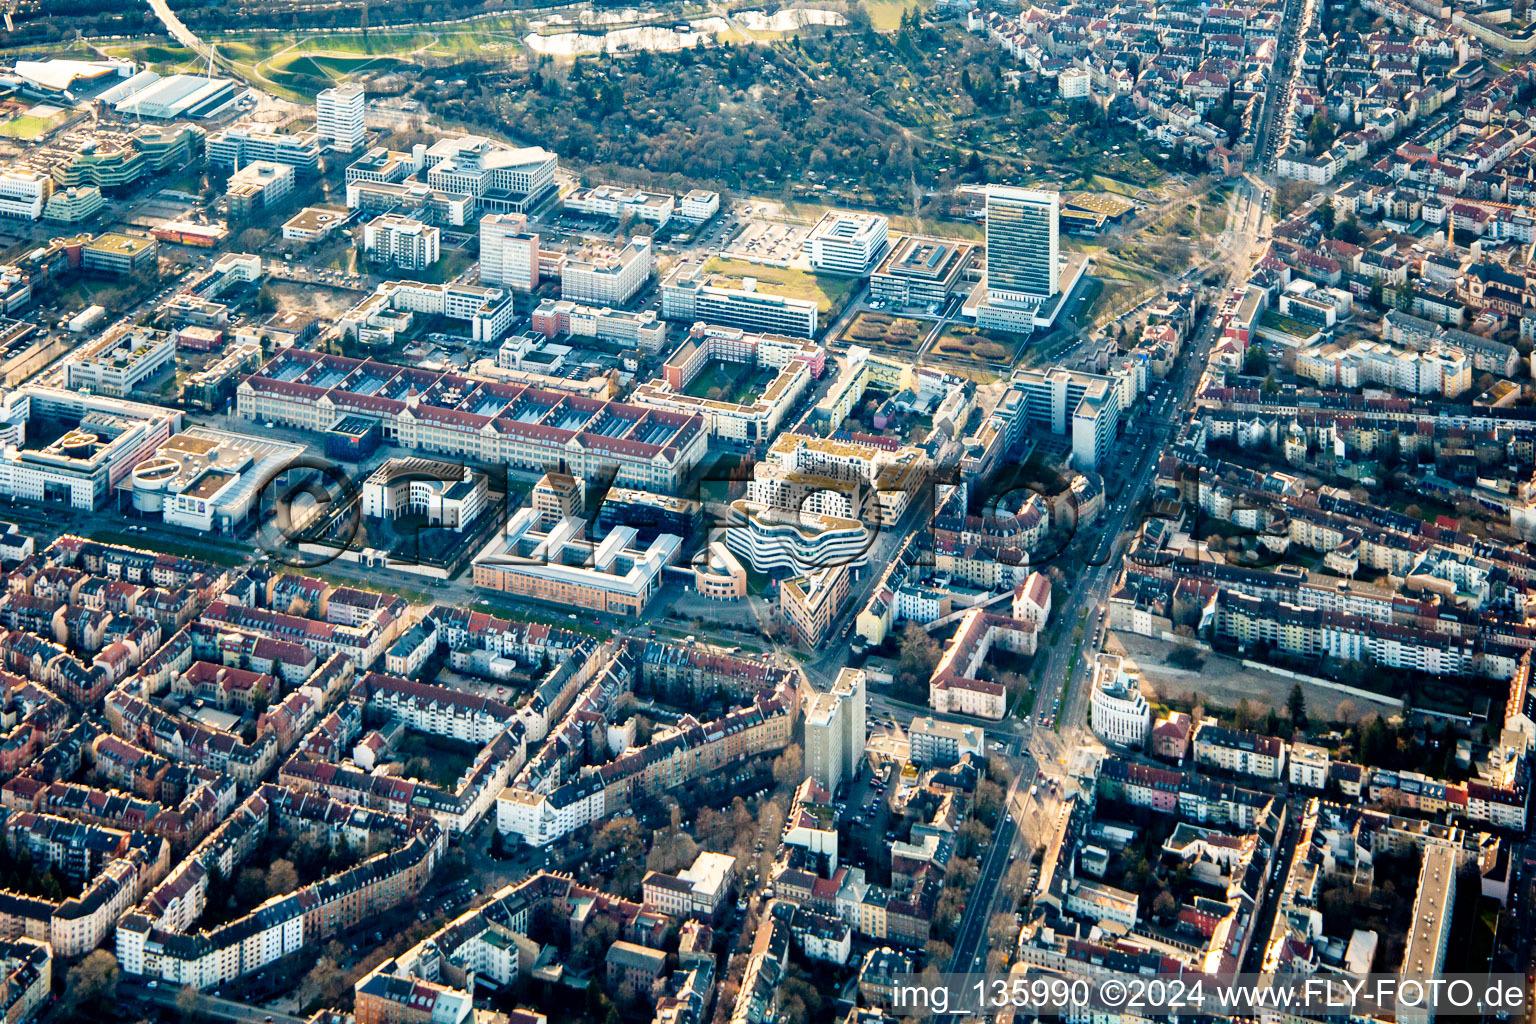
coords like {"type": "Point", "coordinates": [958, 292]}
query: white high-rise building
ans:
{"type": "Point", "coordinates": [339, 116]}
{"type": "Point", "coordinates": [1023, 245]}
{"type": "Point", "coordinates": [834, 731]}
{"type": "Point", "coordinates": [509, 252]}
{"type": "Point", "coordinates": [1117, 711]}
{"type": "Point", "coordinates": [402, 242]}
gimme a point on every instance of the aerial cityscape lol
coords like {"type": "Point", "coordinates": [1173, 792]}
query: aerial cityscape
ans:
{"type": "Point", "coordinates": [527, 512]}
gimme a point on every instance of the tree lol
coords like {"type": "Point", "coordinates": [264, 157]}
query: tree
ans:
{"type": "Point", "coordinates": [1319, 133]}
{"type": "Point", "coordinates": [972, 837]}
{"type": "Point", "coordinates": [250, 887]}
{"type": "Point", "coordinates": [1164, 906]}
{"type": "Point", "coordinates": [919, 656]}
{"type": "Point", "coordinates": [789, 767]}
{"type": "Point", "coordinates": [1270, 386]}
{"type": "Point", "coordinates": [253, 240]}
{"type": "Point", "coordinates": [1296, 708]}
{"type": "Point", "coordinates": [1328, 215]}
{"type": "Point", "coordinates": [1346, 711]}
{"type": "Point", "coordinates": [92, 983]}
{"type": "Point", "coordinates": [1255, 361]}
{"type": "Point", "coordinates": [282, 878]}
{"type": "Point", "coordinates": [189, 1003]}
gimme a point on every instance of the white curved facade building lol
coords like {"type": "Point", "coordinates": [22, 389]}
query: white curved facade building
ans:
{"type": "Point", "coordinates": [770, 538]}
{"type": "Point", "coordinates": [1118, 713]}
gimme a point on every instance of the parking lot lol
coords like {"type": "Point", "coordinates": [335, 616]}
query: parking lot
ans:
{"type": "Point", "coordinates": [770, 242]}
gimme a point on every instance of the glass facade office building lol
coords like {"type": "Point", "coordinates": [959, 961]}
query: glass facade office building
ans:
{"type": "Point", "coordinates": [1022, 244]}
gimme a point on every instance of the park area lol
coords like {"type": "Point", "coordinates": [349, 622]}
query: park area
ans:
{"type": "Point", "coordinates": [881, 330]}
{"type": "Point", "coordinates": [994, 348]}
{"type": "Point", "coordinates": [825, 291]}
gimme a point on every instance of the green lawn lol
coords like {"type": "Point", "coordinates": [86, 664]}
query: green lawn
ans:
{"type": "Point", "coordinates": [217, 556]}
{"type": "Point", "coordinates": [736, 381]}
{"type": "Point", "coordinates": [970, 230]}
{"type": "Point", "coordinates": [82, 292]}
{"type": "Point", "coordinates": [27, 128]}
{"type": "Point", "coordinates": [825, 291]}
{"type": "Point", "coordinates": [306, 74]}
{"type": "Point", "coordinates": [885, 15]}
{"type": "Point", "coordinates": [452, 263]}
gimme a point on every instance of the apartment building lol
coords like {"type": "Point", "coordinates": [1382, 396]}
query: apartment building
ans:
{"type": "Point", "coordinates": [809, 604]}
{"type": "Point", "coordinates": [1429, 935]}
{"type": "Point", "coordinates": [1118, 713]}
{"type": "Point", "coordinates": [954, 686]}
{"type": "Point", "coordinates": [1437, 370]}
{"type": "Point", "coordinates": [606, 276]}
{"type": "Point", "coordinates": [1242, 753]}
{"type": "Point", "coordinates": [834, 731]}
{"type": "Point", "coordinates": [769, 538]}
{"type": "Point", "coordinates": [673, 758]}
{"type": "Point", "coordinates": [700, 890]}
{"type": "Point", "coordinates": [935, 743]}
{"type": "Point", "coordinates": [401, 242]}
{"type": "Point", "coordinates": [1084, 406]}
{"type": "Point", "coordinates": [754, 418]}
{"type": "Point", "coordinates": [156, 939]}
{"type": "Point", "coordinates": [1098, 902]}
{"type": "Point", "coordinates": [861, 479]}
{"type": "Point", "coordinates": [26, 977]}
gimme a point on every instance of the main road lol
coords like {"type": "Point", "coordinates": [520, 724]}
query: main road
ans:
{"type": "Point", "coordinates": [1065, 680]}
{"type": "Point", "coordinates": [176, 29]}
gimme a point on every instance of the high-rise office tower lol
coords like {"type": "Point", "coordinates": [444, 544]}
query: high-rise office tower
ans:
{"type": "Point", "coordinates": [339, 116]}
{"type": "Point", "coordinates": [509, 252]}
{"type": "Point", "coordinates": [1023, 244]}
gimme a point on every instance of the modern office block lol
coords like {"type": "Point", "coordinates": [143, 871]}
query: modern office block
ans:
{"type": "Point", "coordinates": [339, 116]}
